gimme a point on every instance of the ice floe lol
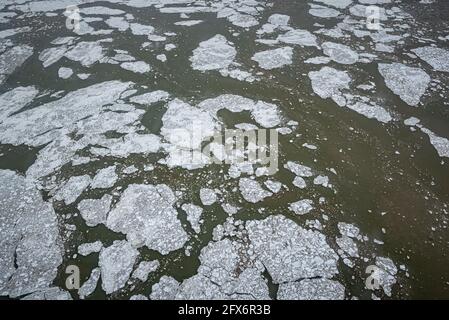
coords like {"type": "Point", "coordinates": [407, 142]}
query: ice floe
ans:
{"type": "Point", "coordinates": [438, 58]}
{"type": "Point", "coordinates": [311, 289]}
{"type": "Point", "coordinates": [276, 58]}
{"type": "Point", "coordinates": [409, 83]}
{"type": "Point", "coordinates": [252, 191]}
{"type": "Point", "coordinates": [116, 263]}
{"type": "Point", "coordinates": [95, 211]}
{"type": "Point", "coordinates": [29, 238]}
{"type": "Point", "coordinates": [145, 213]}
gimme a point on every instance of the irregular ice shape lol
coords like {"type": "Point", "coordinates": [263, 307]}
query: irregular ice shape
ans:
{"type": "Point", "coordinates": [90, 285]}
{"type": "Point", "coordinates": [29, 238]}
{"type": "Point", "coordinates": [298, 37]}
{"type": "Point", "coordinates": [301, 207]}
{"type": "Point", "coordinates": [440, 144]}
{"type": "Point", "coordinates": [188, 23]}
{"type": "Point", "coordinates": [276, 58]}
{"type": "Point", "coordinates": [299, 169]}
{"type": "Point", "coordinates": [328, 83]}
{"type": "Point", "coordinates": [72, 189]}
{"type": "Point", "coordinates": [136, 67]}
{"type": "Point", "coordinates": [144, 269]}
{"type": "Point", "coordinates": [371, 111]}
{"type": "Point", "coordinates": [87, 248]}
{"type": "Point", "coordinates": [14, 100]}
{"type": "Point", "coordinates": [312, 289]}
{"type": "Point", "coordinates": [207, 196]}
{"type": "Point", "coordinates": [194, 215]}
{"type": "Point", "coordinates": [290, 252]}
{"type": "Point", "coordinates": [408, 83]}
{"type": "Point", "coordinates": [340, 53]}
{"type": "Point", "coordinates": [87, 53]}
{"type": "Point", "coordinates": [13, 59]}
{"type": "Point", "coordinates": [146, 215]}
{"type": "Point", "coordinates": [95, 211]}
{"type": "Point", "coordinates": [323, 12]}
{"type": "Point", "coordinates": [105, 178]}
{"type": "Point", "coordinates": [340, 4]}
{"type": "Point", "coordinates": [165, 289]}
{"type": "Point", "coordinates": [252, 191]}
{"type": "Point", "coordinates": [150, 97]}
{"type": "Point", "coordinates": [65, 73]}
{"type": "Point", "coordinates": [438, 58]}
{"type": "Point", "coordinates": [116, 263]}
{"type": "Point", "coordinates": [213, 54]}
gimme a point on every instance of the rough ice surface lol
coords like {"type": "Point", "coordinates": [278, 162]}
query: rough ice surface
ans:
{"type": "Point", "coordinates": [116, 263]}
{"type": "Point", "coordinates": [86, 53]}
{"type": "Point", "coordinates": [144, 269]}
{"type": "Point", "coordinates": [87, 248]}
{"type": "Point", "coordinates": [340, 4]}
{"type": "Point", "coordinates": [72, 189]}
{"type": "Point", "coordinates": [13, 59]}
{"type": "Point", "coordinates": [298, 37]}
{"type": "Point", "coordinates": [323, 12]}
{"type": "Point", "coordinates": [194, 214]}
{"type": "Point", "coordinates": [137, 67]}
{"type": "Point", "coordinates": [165, 289]}
{"type": "Point", "coordinates": [328, 83]}
{"type": "Point", "coordinates": [145, 213]}
{"type": "Point", "coordinates": [29, 238]}
{"type": "Point", "coordinates": [299, 182]}
{"type": "Point", "coordinates": [409, 83]}
{"type": "Point", "coordinates": [272, 59]}
{"type": "Point", "coordinates": [440, 144]}
{"type": "Point", "coordinates": [301, 207]}
{"type": "Point", "coordinates": [90, 285]}
{"type": "Point", "coordinates": [150, 97]}
{"type": "Point", "coordinates": [290, 252]}
{"type": "Point", "coordinates": [311, 289]}
{"type": "Point", "coordinates": [252, 191]}
{"type": "Point", "coordinates": [273, 186]}
{"type": "Point", "coordinates": [217, 277]}
{"type": "Point", "coordinates": [95, 211]}
{"type": "Point", "coordinates": [213, 54]}
{"type": "Point", "coordinates": [386, 274]}
{"type": "Point", "coordinates": [16, 99]}
{"type": "Point", "coordinates": [371, 111]}
{"type": "Point", "coordinates": [105, 178]}
{"type": "Point", "coordinates": [65, 73]}
{"type": "Point", "coordinates": [340, 53]}
{"type": "Point", "coordinates": [438, 58]}
{"type": "Point", "coordinates": [299, 169]}
{"type": "Point", "coordinates": [207, 196]}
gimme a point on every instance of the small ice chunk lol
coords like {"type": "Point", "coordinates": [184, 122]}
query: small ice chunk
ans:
{"type": "Point", "coordinates": [301, 207]}
{"type": "Point", "coordinates": [144, 269]}
{"type": "Point", "coordinates": [272, 59]}
{"type": "Point", "coordinates": [252, 191]}
{"type": "Point", "coordinates": [208, 196]}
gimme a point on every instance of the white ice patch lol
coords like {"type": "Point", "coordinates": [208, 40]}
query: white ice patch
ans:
{"type": "Point", "coordinates": [252, 191]}
{"type": "Point", "coordinates": [301, 207]}
{"type": "Point", "coordinates": [290, 252]}
{"type": "Point", "coordinates": [95, 211]}
{"type": "Point", "coordinates": [14, 100]}
{"type": "Point", "coordinates": [29, 238]}
{"type": "Point", "coordinates": [87, 248]}
{"type": "Point", "coordinates": [72, 189]}
{"type": "Point", "coordinates": [116, 263]}
{"type": "Point", "coordinates": [408, 83]}
{"type": "Point", "coordinates": [207, 196]}
{"type": "Point", "coordinates": [328, 83]}
{"type": "Point", "coordinates": [146, 215]}
{"type": "Point", "coordinates": [105, 178]}
{"type": "Point", "coordinates": [298, 37]}
{"type": "Point", "coordinates": [340, 53]}
{"type": "Point", "coordinates": [213, 54]}
{"type": "Point", "coordinates": [193, 215]}
{"type": "Point", "coordinates": [311, 289]}
{"type": "Point", "coordinates": [65, 73]}
{"type": "Point", "coordinates": [136, 67]}
{"type": "Point", "coordinates": [144, 269]}
{"type": "Point", "coordinates": [276, 58]}
{"type": "Point", "coordinates": [438, 58]}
